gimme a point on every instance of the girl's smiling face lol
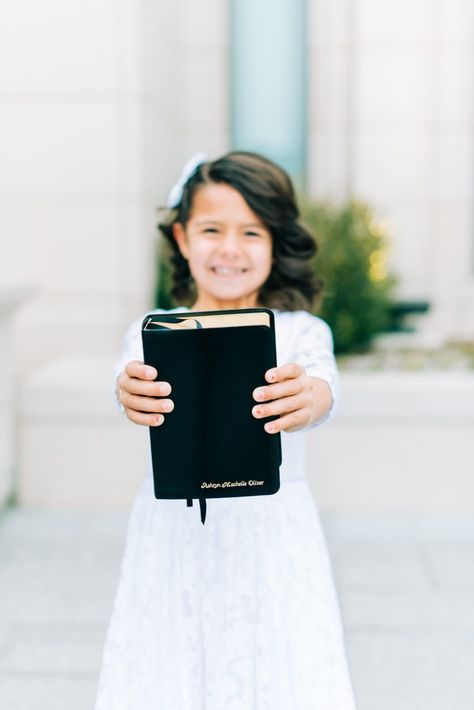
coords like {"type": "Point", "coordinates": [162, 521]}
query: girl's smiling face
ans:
{"type": "Point", "coordinates": [228, 248]}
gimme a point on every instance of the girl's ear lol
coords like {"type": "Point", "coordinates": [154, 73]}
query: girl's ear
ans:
{"type": "Point", "coordinates": [180, 238]}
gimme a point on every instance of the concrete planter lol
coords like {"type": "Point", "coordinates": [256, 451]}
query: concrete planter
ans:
{"type": "Point", "coordinates": [401, 442]}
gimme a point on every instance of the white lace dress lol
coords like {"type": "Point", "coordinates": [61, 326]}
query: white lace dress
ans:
{"type": "Point", "coordinates": [239, 613]}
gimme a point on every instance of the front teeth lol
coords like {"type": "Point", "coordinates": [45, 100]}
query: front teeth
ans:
{"type": "Point", "coordinates": [226, 271]}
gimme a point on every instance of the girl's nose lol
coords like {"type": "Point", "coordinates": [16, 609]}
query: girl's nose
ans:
{"type": "Point", "coordinates": [230, 246]}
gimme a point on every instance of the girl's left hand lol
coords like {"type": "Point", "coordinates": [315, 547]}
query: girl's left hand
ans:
{"type": "Point", "coordinates": [296, 397]}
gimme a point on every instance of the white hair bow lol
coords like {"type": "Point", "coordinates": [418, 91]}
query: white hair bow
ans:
{"type": "Point", "coordinates": [176, 192]}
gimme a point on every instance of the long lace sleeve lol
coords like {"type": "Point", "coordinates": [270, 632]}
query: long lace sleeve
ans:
{"type": "Point", "coordinates": [132, 348]}
{"type": "Point", "coordinates": [314, 349]}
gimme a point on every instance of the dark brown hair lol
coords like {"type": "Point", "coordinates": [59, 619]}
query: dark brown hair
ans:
{"type": "Point", "coordinates": [268, 191]}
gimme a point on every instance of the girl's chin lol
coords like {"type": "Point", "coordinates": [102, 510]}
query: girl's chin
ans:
{"type": "Point", "coordinates": [233, 287]}
{"type": "Point", "coordinates": [232, 294]}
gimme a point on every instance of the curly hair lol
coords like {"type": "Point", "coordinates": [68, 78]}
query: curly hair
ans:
{"type": "Point", "coordinates": [268, 191]}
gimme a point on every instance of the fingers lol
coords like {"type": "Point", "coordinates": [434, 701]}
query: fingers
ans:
{"type": "Point", "coordinates": [136, 368]}
{"type": "Point", "coordinates": [289, 422]}
{"type": "Point", "coordinates": [146, 404]}
{"type": "Point", "coordinates": [282, 406]}
{"type": "Point", "coordinates": [139, 378]}
{"type": "Point", "coordinates": [146, 410]}
{"type": "Point", "coordinates": [284, 372]}
{"type": "Point", "coordinates": [283, 389]}
{"type": "Point", "coordinates": [145, 419]}
{"type": "Point", "coordinates": [289, 398]}
{"type": "Point", "coordinates": [142, 397]}
{"type": "Point", "coordinates": [142, 387]}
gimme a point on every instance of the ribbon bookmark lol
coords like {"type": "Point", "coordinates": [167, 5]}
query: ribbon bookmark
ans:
{"type": "Point", "coordinates": [202, 506]}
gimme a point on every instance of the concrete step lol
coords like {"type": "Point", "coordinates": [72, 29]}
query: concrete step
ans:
{"type": "Point", "coordinates": [405, 586]}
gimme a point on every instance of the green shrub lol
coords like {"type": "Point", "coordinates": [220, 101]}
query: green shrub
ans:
{"type": "Point", "coordinates": [352, 261]}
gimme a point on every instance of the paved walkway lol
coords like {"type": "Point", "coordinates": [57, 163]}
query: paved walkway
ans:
{"type": "Point", "coordinates": [406, 589]}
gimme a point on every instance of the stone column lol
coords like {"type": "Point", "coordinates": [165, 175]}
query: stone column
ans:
{"type": "Point", "coordinates": [269, 81]}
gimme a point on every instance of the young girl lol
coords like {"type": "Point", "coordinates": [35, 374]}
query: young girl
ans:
{"type": "Point", "coordinates": [239, 613]}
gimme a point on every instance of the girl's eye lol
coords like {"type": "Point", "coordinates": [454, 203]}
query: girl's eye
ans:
{"type": "Point", "coordinates": [252, 234]}
{"type": "Point", "coordinates": [213, 230]}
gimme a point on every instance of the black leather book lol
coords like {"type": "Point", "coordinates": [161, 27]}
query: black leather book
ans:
{"type": "Point", "coordinates": [210, 445]}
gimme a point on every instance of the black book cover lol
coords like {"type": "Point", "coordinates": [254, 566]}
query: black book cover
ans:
{"type": "Point", "coordinates": [210, 445]}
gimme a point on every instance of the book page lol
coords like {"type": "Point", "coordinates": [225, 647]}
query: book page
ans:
{"type": "Point", "coordinates": [215, 320]}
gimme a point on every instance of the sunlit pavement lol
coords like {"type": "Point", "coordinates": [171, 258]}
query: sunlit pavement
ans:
{"type": "Point", "coordinates": [406, 589]}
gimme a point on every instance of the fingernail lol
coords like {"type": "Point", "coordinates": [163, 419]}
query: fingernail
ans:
{"type": "Point", "coordinates": [269, 427]}
{"type": "Point", "coordinates": [159, 419]}
{"type": "Point", "coordinates": [256, 411]}
{"type": "Point", "coordinates": [258, 394]}
{"type": "Point", "coordinates": [167, 406]}
{"type": "Point", "coordinates": [271, 375]}
{"type": "Point", "coordinates": [150, 372]}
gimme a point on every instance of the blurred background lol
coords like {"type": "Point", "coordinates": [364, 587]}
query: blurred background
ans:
{"type": "Point", "coordinates": [369, 104]}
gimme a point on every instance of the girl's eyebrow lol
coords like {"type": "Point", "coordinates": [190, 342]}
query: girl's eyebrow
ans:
{"type": "Point", "coordinates": [212, 221]}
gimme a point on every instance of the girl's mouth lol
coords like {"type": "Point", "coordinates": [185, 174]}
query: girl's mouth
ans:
{"type": "Point", "coordinates": [228, 270]}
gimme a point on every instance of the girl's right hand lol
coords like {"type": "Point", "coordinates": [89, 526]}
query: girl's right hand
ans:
{"type": "Point", "coordinates": [142, 398]}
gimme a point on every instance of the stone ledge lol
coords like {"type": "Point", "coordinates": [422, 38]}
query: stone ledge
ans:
{"type": "Point", "coordinates": [81, 389]}
{"type": "Point", "coordinates": [401, 442]}
{"type": "Point", "coordinates": [408, 396]}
